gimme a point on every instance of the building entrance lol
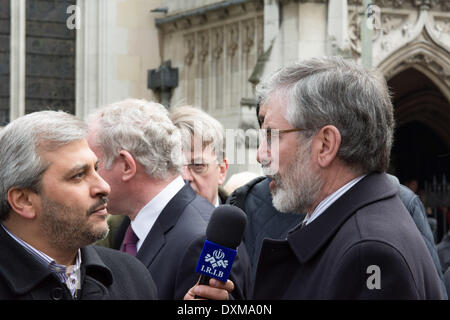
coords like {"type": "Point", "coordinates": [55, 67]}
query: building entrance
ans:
{"type": "Point", "coordinates": [420, 155]}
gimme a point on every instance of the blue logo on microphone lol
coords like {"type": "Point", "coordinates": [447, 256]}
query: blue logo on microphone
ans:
{"type": "Point", "coordinates": [216, 261]}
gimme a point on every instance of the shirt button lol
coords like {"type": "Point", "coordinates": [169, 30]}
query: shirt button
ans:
{"type": "Point", "coordinates": [57, 294]}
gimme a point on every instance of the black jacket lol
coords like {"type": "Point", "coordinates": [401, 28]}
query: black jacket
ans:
{"type": "Point", "coordinates": [334, 256]}
{"type": "Point", "coordinates": [105, 274]}
{"type": "Point", "coordinates": [444, 252]}
{"type": "Point", "coordinates": [264, 221]}
{"type": "Point", "coordinates": [172, 247]}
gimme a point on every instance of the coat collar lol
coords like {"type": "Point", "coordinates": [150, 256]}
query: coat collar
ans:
{"type": "Point", "coordinates": [155, 240]}
{"type": "Point", "coordinates": [95, 267]}
{"type": "Point", "coordinates": [23, 273]}
{"type": "Point", "coordinates": [313, 237]}
{"type": "Point", "coordinates": [18, 268]}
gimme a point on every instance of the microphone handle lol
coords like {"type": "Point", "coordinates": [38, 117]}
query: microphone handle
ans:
{"type": "Point", "coordinates": [203, 280]}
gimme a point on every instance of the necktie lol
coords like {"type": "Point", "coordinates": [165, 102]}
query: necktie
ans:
{"type": "Point", "coordinates": [129, 242]}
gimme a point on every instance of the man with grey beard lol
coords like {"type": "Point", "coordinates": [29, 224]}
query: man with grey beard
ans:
{"type": "Point", "coordinates": [327, 136]}
{"type": "Point", "coordinates": [326, 141]}
{"type": "Point", "coordinates": [53, 206]}
{"type": "Point", "coordinates": [264, 221]}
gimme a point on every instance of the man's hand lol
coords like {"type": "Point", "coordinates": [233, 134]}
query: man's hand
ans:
{"type": "Point", "coordinates": [217, 290]}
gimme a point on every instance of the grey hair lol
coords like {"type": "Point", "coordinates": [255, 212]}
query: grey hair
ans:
{"type": "Point", "coordinates": [21, 143]}
{"type": "Point", "coordinates": [194, 122]}
{"type": "Point", "coordinates": [333, 91]}
{"type": "Point", "coordinates": [144, 130]}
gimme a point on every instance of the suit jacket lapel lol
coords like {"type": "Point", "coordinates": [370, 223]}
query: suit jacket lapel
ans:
{"type": "Point", "coordinates": [156, 238]}
{"type": "Point", "coordinates": [372, 188]}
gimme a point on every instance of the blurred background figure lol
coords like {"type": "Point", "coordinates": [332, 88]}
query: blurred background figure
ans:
{"type": "Point", "coordinates": [238, 180]}
{"type": "Point", "coordinates": [413, 185]}
{"type": "Point", "coordinates": [204, 148]}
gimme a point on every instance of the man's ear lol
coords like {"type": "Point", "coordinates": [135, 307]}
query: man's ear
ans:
{"type": "Point", "coordinates": [127, 165]}
{"type": "Point", "coordinates": [23, 202]}
{"type": "Point", "coordinates": [329, 142]}
{"type": "Point", "coordinates": [223, 168]}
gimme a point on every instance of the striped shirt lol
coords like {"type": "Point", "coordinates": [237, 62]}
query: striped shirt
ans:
{"type": "Point", "coordinates": [328, 201]}
{"type": "Point", "coordinates": [69, 275]}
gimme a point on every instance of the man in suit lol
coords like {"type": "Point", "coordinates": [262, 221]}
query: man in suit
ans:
{"type": "Point", "coordinates": [326, 141]}
{"type": "Point", "coordinates": [204, 148]}
{"type": "Point", "coordinates": [53, 206]}
{"type": "Point", "coordinates": [141, 158]}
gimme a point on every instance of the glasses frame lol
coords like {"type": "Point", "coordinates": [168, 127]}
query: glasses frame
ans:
{"type": "Point", "coordinates": [204, 171]}
{"type": "Point", "coordinates": [277, 132]}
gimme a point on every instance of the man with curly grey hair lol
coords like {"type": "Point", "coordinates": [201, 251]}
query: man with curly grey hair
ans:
{"type": "Point", "coordinates": [141, 158]}
{"type": "Point", "coordinates": [53, 206]}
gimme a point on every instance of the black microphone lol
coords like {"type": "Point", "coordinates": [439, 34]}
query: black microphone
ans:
{"type": "Point", "coordinates": [223, 235]}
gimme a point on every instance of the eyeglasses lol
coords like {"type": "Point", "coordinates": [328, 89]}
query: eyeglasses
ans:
{"type": "Point", "coordinates": [270, 135]}
{"type": "Point", "coordinates": [198, 168]}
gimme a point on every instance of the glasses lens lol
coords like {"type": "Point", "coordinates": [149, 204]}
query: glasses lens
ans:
{"type": "Point", "coordinates": [268, 135]}
{"type": "Point", "coordinates": [198, 168]}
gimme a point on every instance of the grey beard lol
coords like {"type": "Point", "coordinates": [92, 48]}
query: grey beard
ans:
{"type": "Point", "coordinates": [297, 192]}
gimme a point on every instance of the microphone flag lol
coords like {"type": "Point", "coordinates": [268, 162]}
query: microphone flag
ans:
{"type": "Point", "coordinates": [216, 261]}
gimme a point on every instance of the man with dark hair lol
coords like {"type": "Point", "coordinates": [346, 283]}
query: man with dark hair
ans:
{"type": "Point", "coordinates": [53, 206]}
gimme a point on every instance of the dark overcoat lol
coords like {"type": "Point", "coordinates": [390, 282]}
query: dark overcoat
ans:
{"type": "Point", "coordinates": [173, 246]}
{"type": "Point", "coordinates": [364, 246]}
{"type": "Point", "coordinates": [105, 274]}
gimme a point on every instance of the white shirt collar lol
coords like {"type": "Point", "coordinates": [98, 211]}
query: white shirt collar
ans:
{"type": "Point", "coordinates": [217, 202]}
{"type": "Point", "coordinates": [328, 201]}
{"type": "Point", "coordinates": [146, 217]}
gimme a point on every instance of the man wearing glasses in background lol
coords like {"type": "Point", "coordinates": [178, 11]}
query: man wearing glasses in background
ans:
{"type": "Point", "coordinates": [203, 141]}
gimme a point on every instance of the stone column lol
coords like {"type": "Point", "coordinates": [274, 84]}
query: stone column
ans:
{"type": "Point", "coordinates": [17, 59]}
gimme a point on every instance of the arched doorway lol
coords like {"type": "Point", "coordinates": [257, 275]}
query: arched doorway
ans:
{"type": "Point", "coordinates": [421, 149]}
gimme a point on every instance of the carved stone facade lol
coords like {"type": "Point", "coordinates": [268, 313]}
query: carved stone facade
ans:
{"type": "Point", "coordinates": [221, 44]}
{"type": "Point", "coordinates": [216, 51]}
{"type": "Point", "coordinates": [224, 48]}
{"type": "Point", "coordinates": [410, 34]}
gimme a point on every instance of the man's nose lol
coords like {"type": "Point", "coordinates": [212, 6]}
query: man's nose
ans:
{"type": "Point", "coordinates": [263, 153]}
{"type": "Point", "coordinates": [187, 174]}
{"type": "Point", "coordinates": [101, 187]}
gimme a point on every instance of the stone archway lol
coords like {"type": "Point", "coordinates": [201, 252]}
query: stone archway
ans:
{"type": "Point", "coordinates": [422, 138]}
{"type": "Point", "coordinates": [421, 149]}
{"type": "Point", "coordinates": [418, 75]}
